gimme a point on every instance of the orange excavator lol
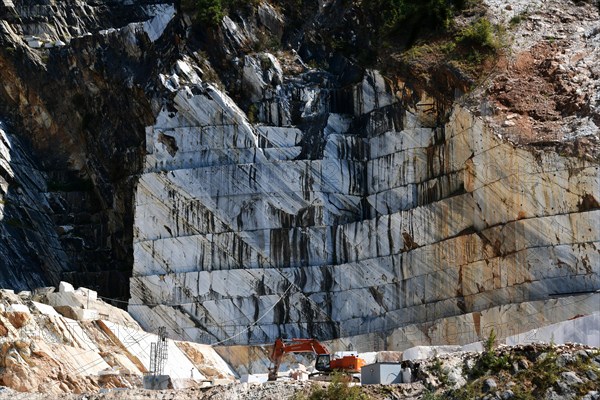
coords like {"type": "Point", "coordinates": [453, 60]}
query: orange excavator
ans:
{"type": "Point", "coordinates": [324, 363]}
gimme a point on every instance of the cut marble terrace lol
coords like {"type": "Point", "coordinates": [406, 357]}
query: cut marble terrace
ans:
{"type": "Point", "coordinates": [242, 235]}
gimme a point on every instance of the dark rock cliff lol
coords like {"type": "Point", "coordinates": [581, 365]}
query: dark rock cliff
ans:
{"type": "Point", "coordinates": [81, 109]}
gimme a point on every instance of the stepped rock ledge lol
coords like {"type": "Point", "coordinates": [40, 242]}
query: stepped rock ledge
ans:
{"type": "Point", "coordinates": [380, 221]}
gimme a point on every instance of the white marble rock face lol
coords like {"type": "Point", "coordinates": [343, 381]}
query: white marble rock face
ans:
{"type": "Point", "coordinates": [243, 235]}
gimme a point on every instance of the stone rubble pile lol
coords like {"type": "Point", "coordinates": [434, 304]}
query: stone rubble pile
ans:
{"type": "Point", "coordinates": [541, 370]}
{"type": "Point", "coordinates": [69, 341]}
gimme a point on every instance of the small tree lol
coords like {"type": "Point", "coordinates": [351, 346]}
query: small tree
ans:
{"type": "Point", "coordinates": [478, 35]}
{"type": "Point", "coordinates": [209, 12]}
{"type": "Point", "coordinates": [489, 360]}
{"type": "Point", "coordinates": [490, 343]}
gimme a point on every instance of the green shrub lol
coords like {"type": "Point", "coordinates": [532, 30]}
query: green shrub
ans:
{"type": "Point", "coordinates": [252, 113]}
{"type": "Point", "coordinates": [411, 15]}
{"type": "Point", "coordinates": [544, 374]}
{"type": "Point", "coordinates": [438, 370]}
{"type": "Point", "coordinates": [211, 12]}
{"type": "Point", "coordinates": [489, 361]}
{"type": "Point", "coordinates": [517, 19]}
{"type": "Point", "coordinates": [490, 342]}
{"type": "Point", "coordinates": [429, 395]}
{"type": "Point", "coordinates": [480, 34]}
{"type": "Point", "coordinates": [478, 41]}
{"type": "Point", "coordinates": [338, 389]}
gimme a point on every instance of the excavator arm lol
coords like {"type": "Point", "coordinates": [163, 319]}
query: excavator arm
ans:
{"type": "Point", "coordinates": [281, 347]}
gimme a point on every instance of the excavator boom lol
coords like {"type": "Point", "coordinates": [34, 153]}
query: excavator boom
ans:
{"type": "Point", "coordinates": [282, 347]}
{"type": "Point", "coordinates": [297, 346]}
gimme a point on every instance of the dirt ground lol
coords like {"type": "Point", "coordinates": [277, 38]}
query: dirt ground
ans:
{"type": "Point", "coordinates": [544, 91]}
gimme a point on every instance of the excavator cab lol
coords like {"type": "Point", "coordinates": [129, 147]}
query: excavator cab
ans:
{"type": "Point", "coordinates": [322, 363]}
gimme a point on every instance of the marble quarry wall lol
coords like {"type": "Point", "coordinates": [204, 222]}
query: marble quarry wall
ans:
{"type": "Point", "coordinates": [336, 212]}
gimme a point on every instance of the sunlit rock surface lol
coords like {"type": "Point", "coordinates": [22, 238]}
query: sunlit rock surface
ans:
{"type": "Point", "coordinates": [346, 211]}
{"type": "Point", "coordinates": [48, 346]}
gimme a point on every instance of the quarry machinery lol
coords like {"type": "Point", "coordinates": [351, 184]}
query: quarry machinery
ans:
{"type": "Point", "coordinates": [324, 363]}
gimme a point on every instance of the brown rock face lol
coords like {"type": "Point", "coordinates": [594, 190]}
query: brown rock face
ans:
{"type": "Point", "coordinates": [3, 330]}
{"type": "Point", "coordinates": [18, 319]}
{"type": "Point", "coordinates": [20, 378]}
{"type": "Point", "coordinates": [536, 87]}
{"type": "Point", "coordinates": [545, 91]}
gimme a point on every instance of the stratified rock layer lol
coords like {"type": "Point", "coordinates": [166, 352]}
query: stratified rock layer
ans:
{"type": "Point", "coordinates": [346, 212]}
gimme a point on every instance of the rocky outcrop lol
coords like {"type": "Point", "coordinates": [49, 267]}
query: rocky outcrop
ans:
{"type": "Point", "coordinates": [547, 92]}
{"type": "Point", "coordinates": [346, 211]}
{"type": "Point", "coordinates": [68, 341]}
{"type": "Point", "coordinates": [539, 370]}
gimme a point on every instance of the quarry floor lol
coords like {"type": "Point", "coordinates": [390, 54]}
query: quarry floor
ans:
{"type": "Point", "coordinates": [235, 391]}
{"type": "Point", "coordinates": [531, 371]}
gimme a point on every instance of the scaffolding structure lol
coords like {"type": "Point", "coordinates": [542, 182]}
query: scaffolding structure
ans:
{"type": "Point", "coordinates": [159, 353]}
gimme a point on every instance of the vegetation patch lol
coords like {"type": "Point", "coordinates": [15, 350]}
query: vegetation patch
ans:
{"type": "Point", "coordinates": [410, 16]}
{"type": "Point", "coordinates": [338, 389]}
{"type": "Point", "coordinates": [211, 12]}
{"type": "Point", "coordinates": [529, 372]}
{"type": "Point", "coordinates": [490, 361]}
{"type": "Point", "coordinates": [480, 34]}
{"type": "Point", "coordinates": [462, 55]}
{"type": "Point", "coordinates": [252, 113]}
{"type": "Point", "coordinates": [517, 19]}
{"type": "Point", "coordinates": [437, 368]}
